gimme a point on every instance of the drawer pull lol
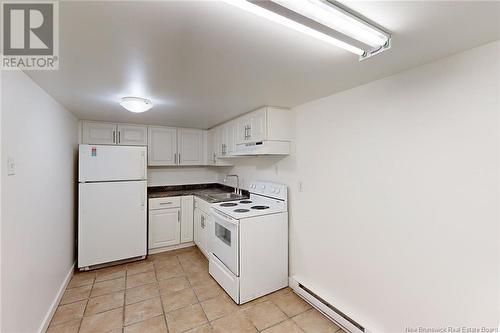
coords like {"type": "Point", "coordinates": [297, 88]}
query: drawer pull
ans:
{"type": "Point", "coordinates": [166, 203]}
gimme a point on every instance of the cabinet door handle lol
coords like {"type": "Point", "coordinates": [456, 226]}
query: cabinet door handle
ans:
{"type": "Point", "coordinates": [114, 137]}
{"type": "Point", "coordinates": [119, 136]}
{"type": "Point", "coordinates": [179, 216]}
{"type": "Point", "coordinates": [179, 159]}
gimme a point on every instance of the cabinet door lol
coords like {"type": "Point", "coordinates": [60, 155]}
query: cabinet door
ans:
{"type": "Point", "coordinates": [204, 235]}
{"type": "Point", "coordinates": [162, 146]}
{"type": "Point", "coordinates": [187, 206]}
{"type": "Point", "coordinates": [242, 125]}
{"type": "Point", "coordinates": [211, 155]}
{"type": "Point", "coordinates": [196, 226]}
{"type": "Point", "coordinates": [258, 125]}
{"type": "Point", "coordinates": [132, 135]}
{"type": "Point", "coordinates": [219, 133]}
{"type": "Point", "coordinates": [231, 137]}
{"type": "Point", "coordinates": [96, 133]}
{"type": "Point", "coordinates": [164, 227]}
{"type": "Point", "coordinates": [190, 146]}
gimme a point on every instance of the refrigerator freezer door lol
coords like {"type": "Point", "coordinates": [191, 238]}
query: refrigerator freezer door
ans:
{"type": "Point", "coordinates": [112, 163]}
{"type": "Point", "coordinates": [111, 222]}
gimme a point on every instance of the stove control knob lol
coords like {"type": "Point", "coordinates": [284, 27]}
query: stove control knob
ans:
{"type": "Point", "coordinates": [278, 191]}
{"type": "Point", "coordinates": [263, 187]}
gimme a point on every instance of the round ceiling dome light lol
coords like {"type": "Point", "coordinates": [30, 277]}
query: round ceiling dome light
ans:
{"type": "Point", "coordinates": [136, 104]}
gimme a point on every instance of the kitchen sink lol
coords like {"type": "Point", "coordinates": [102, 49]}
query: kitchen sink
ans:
{"type": "Point", "coordinates": [226, 196]}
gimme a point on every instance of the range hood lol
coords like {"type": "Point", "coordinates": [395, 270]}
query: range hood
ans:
{"type": "Point", "coordinates": [266, 147]}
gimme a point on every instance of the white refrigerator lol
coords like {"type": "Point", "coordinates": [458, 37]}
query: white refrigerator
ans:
{"type": "Point", "coordinates": [111, 204]}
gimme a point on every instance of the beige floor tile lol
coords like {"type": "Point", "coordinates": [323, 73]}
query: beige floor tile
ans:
{"type": "Point", "coordinates": [231, 324]}
{"type": "Point", "coordinates": [202, 329]}
{"type": "Point", "coordinates": [69, 327]}
{"type": "Point", "coordinates": [264, 315]}
{"type": "Point", "coordinates": [218, 307]}
{"type": "Point", "coordinates": [186, 318]}
{"type": "Point", "coordinates": [142, 293]}
{"type": "Point", "coordinates": [143, 310]}
{"type": "Point", "coordinates": [110, 273]}
{"type": "Point", "coordinates": [287, 326]}
{"type": "Point", "coordinates": [81, 279]}
{"type": "Point", "coordinates": [139, 267]}
{"type": "Point", "coordinates": [107, 287]}
{"type": "Point", "coordinates": [69, 312]}
{"type": "Point", "coordinates": [290, 303]}
{"type": "Point", "coordinates": [166, 262]}
{"type": "Point", "coordinates": [312, 321]}
{"type": "Point", "coordinates": [207, 290]}
{"type": "Point", "coordinates": [152, 325]}
{"type": "Point", "coordinates": [140, 279]}
{"type": "Point", "coordinates": [169, 272]}
{"type": "Point", "coordinates": [200, 277]}
{"type": "Point", "coordinates": [193, 267]}
{"type": "Point", "coordinates": [174, 284]}
{"type": "Point", "coordinates": [76, 294]}
{"type": "Point", "coordinates": [104, 303]}
{"type": "Point", "coordinates": [255, 302]}
{"type": "Point", "coordinates": [178, 299]}
{"type": "Point", "coordinates": [102, 322]}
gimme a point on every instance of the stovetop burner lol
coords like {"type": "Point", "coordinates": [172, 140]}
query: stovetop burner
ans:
{"type": "Point", "coordinates": [241, 210]}
{"type": "Point", "coordinates": [245, 201]}
{"type": "Point", "coordinates": [260, 207]}
{"type": "Point", "coordinates": [228, 204]}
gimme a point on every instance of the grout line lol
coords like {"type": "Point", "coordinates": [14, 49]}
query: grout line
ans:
{"type": "Point", "coordinates": [161, 300]}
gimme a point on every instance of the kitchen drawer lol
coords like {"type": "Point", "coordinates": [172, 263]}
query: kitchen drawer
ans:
{"type": "Point", "coordinates": [162, 203]}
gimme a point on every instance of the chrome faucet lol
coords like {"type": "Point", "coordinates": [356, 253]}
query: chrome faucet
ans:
{"type": "Point", "coordinates": [237, 189]}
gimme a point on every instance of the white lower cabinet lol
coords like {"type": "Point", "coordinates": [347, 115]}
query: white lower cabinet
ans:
{"type": "Point", "coordinates": [170, 221]}
{"type": "Point", "coordinates": [202, 223]}
{"type": "Point", "coordinates": [187, 207]}
{"type": "Point", "coordinates": [164, 227]}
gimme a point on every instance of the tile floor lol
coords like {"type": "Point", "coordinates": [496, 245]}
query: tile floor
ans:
{"type": "Point", "coordinates": [173, 292]}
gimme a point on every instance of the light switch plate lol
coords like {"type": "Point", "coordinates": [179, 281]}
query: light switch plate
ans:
{"type": "Point", "coordinates": [11, 166]}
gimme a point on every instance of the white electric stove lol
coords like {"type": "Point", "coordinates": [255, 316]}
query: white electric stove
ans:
{"type": "Point", "coordinates": [249, 242]}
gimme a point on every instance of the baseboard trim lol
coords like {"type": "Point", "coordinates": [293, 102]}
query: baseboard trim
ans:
{"type": "Point", "coordinates": [55, 303]}
{"type": "Point", "coordinates": [170, 248]}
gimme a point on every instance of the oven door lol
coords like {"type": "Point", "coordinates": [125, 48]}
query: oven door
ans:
{"type": "Point", "coordinates": [224, 239]}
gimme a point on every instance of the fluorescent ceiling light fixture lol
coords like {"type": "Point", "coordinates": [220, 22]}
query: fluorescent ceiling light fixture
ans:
{"type": "Point", "coordinates": [136, 104]}
{"type": "Point", "coordinates": [322, 20]}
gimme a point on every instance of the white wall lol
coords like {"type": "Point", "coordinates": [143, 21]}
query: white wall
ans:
{"type": "Point", "coordinates": [161, 176]}
{"type": "Point", "coordinates": [397, 223]}
{"type": "Point", "coordinates": [39, 214]}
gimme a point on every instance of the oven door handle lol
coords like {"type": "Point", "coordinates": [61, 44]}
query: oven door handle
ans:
{"type": "Point", "coordinates": [225, 217]}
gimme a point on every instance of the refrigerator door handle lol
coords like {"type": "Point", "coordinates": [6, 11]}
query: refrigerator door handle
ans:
{"type": "Point", "coordinates": [143, 155]}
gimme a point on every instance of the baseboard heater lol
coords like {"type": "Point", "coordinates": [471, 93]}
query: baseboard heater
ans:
{"type": "Point", "coordinates": [340, 318]}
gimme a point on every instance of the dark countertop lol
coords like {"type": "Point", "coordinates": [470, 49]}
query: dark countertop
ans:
{"type": "Point", "coordinates": [202, 191]}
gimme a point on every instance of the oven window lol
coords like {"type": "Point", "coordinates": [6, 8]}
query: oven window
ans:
{"type": "Point", "coordinates": [223, 234]}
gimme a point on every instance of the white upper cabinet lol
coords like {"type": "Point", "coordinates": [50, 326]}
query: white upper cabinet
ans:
{"type": "Point", "coordinates": [252, 127]}
{"type": "Point", "coordinates": [191, 147]}
{"type": "Point", "coordinates": [176, 146]}
{"type": "Point", "coordinates": [96, 133]}
{"type": "Point", "coordinates": [211, 147]}
{"type": "Point", "coordinates": [132, 135]}
{"type": "Point", "coordinates": [162, 146]}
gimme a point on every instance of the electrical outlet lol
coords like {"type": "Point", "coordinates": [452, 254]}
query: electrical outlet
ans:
{"type": "Point", "coordinates": [11, 166]}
